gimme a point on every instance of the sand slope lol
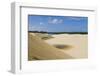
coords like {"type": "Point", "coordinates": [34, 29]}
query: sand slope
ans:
{"type": "Point", "coordinates": [38, 49]}
{"type": "Point", "coordinates": [78, 44]}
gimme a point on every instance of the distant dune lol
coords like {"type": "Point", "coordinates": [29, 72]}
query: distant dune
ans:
{"type": "Point", "coordinates": [40, 50]}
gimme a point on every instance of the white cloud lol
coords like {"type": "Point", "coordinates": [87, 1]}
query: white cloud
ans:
{"type": "Point", "coordinates": [41, 23]}
{"type": "Point", "coordinates": [55, 20]}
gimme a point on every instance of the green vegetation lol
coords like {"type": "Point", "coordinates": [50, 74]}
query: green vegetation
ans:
{"type": "Point", "coordinates": [44, 32]}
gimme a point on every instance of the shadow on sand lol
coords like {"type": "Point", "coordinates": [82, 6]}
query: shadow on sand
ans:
{"type": "Point", "coordinates": [61, 46]}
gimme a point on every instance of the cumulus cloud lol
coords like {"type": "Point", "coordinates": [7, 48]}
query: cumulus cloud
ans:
{"type": "Point", "coordinates": [41, 23]}
{"type": "Point", "coordinates": [55, 20]}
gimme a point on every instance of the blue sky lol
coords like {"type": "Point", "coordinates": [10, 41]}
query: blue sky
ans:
{"type": "Point", "coordinates": [57, 23]}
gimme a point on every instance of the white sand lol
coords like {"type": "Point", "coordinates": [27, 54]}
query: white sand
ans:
{"type": "Point", "coordinates": [78, 43]}
{"type": "Point", "coordinates": [38, 49]}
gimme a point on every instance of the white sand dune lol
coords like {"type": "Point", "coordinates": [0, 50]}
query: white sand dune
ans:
{"type": "Point", "coordinates": [38, 49]}
{"type": "Point", "coordinates": [78, 44]}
